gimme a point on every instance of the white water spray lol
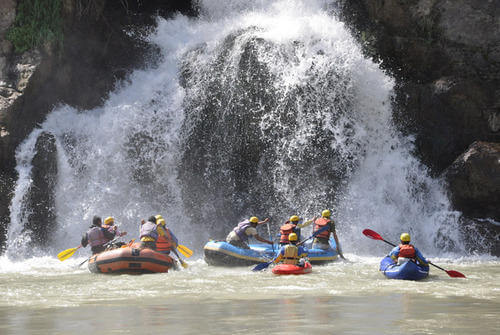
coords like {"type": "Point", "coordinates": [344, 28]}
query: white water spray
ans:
{"type": "Point", "coordinates": [122, 159]}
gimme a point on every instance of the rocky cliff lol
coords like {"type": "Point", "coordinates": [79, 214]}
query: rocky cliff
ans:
{"type": "Point", "coordinates": [100, 44]}
{"type": "Point", "coordinates": [445, 55]}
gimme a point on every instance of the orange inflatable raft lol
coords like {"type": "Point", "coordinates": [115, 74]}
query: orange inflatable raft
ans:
{"type": "Point", "coordinates": [131, 260]}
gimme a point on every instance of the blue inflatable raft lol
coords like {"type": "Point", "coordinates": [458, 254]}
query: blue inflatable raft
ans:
{"type": "Point", "coordinates": [225, 254]}
{"type": "Point", "coordinates": [408, 270]}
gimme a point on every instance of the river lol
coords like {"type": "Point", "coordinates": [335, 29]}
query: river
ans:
{"type": "Point", "coordinates": [266, 108]}
{"type": "Point", "coordinates": [45, 296]}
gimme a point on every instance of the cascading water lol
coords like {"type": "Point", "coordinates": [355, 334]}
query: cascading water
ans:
{"type": "Point", "coordinates": [265, 109]}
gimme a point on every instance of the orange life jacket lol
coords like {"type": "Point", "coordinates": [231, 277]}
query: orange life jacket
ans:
{"type": "Point", "coordinates": [406, 251]}
{"type": "Point", "coordinates": [164, 243]}
{"type": "Point", "coordinates": [286, 230]}
{"type": "Point", "coordinates": [320, 223]}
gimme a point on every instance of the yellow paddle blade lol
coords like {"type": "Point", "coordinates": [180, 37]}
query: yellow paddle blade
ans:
{"type": "Point", "coordinates": [184, 264]}
{"type": "Point", "coordinates": [185, 250]}
{"type": "Point", "coordinates": [64, 255]}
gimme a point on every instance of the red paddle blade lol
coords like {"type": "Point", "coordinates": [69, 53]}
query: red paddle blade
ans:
{"type": "Point", "coordinates": [455, 274]}
{"type": "Point", "coordinates": [371, 234]}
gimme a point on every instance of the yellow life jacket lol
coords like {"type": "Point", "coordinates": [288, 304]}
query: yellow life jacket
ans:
{"type": "Point", "coordinates": [291, 255]}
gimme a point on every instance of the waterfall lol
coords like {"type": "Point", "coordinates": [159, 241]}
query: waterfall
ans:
{"type": "Point", "coordinates": [266, 108]}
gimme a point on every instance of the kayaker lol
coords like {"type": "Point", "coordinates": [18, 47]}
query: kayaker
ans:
{"type": "Point", "coordinates": [149, 233]}
{"type": "Point", "coordinates": [97, 236]}
{"type": "Point", "coordinates": [291, 253]}
{"type": "Point", "coordinates": [293, 225]}
{"type": "Point", "coordinates": [166, 239]}
{"type": "Point", "coordinates": [321, 241]}
{"type": "Point", "coordinates": [406, 251]}
{"type": "Point", "coordinates": [245, 229]}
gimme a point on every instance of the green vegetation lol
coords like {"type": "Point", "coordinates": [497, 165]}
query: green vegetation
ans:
{"type": "Point", "coordinates": [37, 21]}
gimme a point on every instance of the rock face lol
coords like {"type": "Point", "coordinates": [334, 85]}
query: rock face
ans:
{"type": "Point", "coordinates": [474, 181]}
{"type": "Point", "coordinates": [41, 218]}
{"type": "Point", "coordinates": [102, 44]}
{"type": "Point", "coordinates": [446, 57]}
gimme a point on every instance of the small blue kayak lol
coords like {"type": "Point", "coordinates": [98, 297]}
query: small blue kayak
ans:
{"type": "Point", "coordinates": [225, 254]}
{"type": "Point", "coordinates": [408, 270]}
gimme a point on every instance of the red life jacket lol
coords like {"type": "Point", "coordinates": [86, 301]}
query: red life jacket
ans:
{"type": "Point", "coordinates": [286, 230]}
{"type": "Point", "coordinates": [164, 243]}
{"type": "Point", "coordinates": [406, 251]}
{"type": "Point", "coordinates": [320, 223]}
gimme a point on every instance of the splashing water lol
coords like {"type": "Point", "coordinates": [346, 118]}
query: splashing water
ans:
{"type": "Point", "coordinates": [266, 108]}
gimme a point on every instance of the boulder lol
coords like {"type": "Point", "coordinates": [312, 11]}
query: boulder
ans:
{"type": "Point", "coordinates": [474, 181]}
{"type": "Point", "coordinates": [40, 205]}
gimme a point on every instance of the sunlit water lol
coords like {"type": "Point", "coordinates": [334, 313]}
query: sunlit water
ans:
{"type": "Point", "coordinates": [312, 79]}
{"type": "Point", "coordinates": [45, 296]}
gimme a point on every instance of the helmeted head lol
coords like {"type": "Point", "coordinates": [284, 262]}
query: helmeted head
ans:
{"type": "Point", "coordinates": [326, 213]}
{"type": "Point", "coordinates": [109, 221]}
{"type": "Point", "coordinates": [152, 219]}
{"type": "Point", "coordinates": [96, 221]}
{"type": "Point", "coordinates": [254, 220]}
{"type": "Point", "coordinates": [160, 222]}
{"type": "Point", "coordinates": [294, 218]}
{"type": "Point", "coordinates": [158, 216]}
{"type": "Point", "coordinates": [292, 237]}
{"type": "Point", "coordinates": [405, 237]}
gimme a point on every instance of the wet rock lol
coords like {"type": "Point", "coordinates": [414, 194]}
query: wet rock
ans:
{"type": "Point", "coordinates": [40, 205]}
{"type": "Point", "coordinates": [446, 59]}
{"type": "Point", "coordinates": [474, 181]}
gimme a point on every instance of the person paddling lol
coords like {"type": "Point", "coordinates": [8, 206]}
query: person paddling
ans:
{"type": "Point", "coordinates": [97, 236]}
{"type": "Point", "coordinates": [166, 241]}
{"type": "Point", "coordinates": [148, 233]}
{"type": "Point", "coordinates": [109, 223]}
{"type": "Point", "coordinates": [321, 241]}
{"type": "Point", "coordinates": [406, 251]}
{"type": "Point", "coordinates": [245, 229]}
{"type": "Point", "coordinates": [291, 253]}
{"type": "Point", "coordinates": [293, 225]}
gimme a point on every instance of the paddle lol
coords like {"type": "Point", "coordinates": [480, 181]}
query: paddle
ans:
{"type": "Point", "coordinates": [64, 255]}
{"type": "Point", "coordinates": [184, 264]}
{"type": "Point", "coordinates": [105, 245]}
{"type": "Point", "coordinates": [184, 250]}
{"type": "Point", "coordinates": [375, 236]}
{"type": "Point", "coordinates": [262, 266]}
{"type": "Point", "coordinates": [270, 236]}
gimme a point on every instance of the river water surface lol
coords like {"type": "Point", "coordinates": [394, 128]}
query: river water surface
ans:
{"type": "Point", "coordinates": [45, 296]}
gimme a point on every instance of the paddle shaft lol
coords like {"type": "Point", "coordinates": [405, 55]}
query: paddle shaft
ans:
{"type": "Point", "coordinates": [184, 265]}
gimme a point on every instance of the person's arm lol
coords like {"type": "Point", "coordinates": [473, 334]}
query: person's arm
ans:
{"type": "Point", "coordinates": [85, 240]}
{"type": "Point", "coordinates": [307, 223]}
{"type": "Point", "coordinates": [280, 256]}
{"type": "Point", "coordinates": [337, 243]}
{"type": "Point", "coordinates": [262, 222]}
{"type": "Point", "coordinates": [108, 234]}
{"type": "Point", "coordinates": [258, 238]}
{"type": "Point", "coordinates": [303, 252]}
{"type": "Point", "coordinates": [420, 258]}
{"type": "Point", "coordinates": [394, 253]}
{"type": "Point", "coordinates": [175, 241]}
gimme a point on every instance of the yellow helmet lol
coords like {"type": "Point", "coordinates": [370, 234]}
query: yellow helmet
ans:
{"type": "Point", "coordinates": [294, 218]}
{"type": "Point", "coordinates": [158, 217]}
{"type": "Point", "coordinates": [254, 219]}
{"type": "Point", "coordinates": [160, 222]}
{"type": "Point", "coordinates": [405, 237]}
{"type": "Point", "coordinates": [292, 237]}
{"type": "Point", "coordinates": [326, 213]}
{"type": "Point", "coordinates": [109, 221]}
